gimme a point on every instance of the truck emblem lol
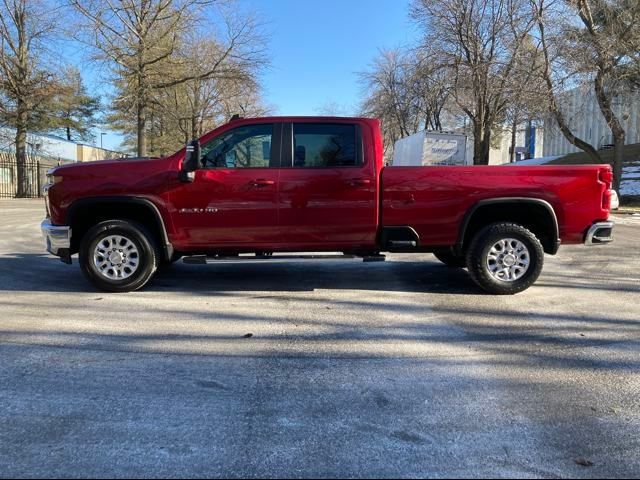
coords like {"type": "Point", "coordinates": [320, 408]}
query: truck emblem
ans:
{"type": "Point", "coordinates": [199, 210]}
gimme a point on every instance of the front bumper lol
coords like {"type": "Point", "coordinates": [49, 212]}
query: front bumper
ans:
{"type": "Point", "coordinates": [599, 233]}
{"type": "Point", "coordinates": [57, 239]}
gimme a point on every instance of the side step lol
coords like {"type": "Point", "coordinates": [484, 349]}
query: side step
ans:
{"type": "Point", "coordinates": [403, 243]}
{"type": "Point", "coordinates": [204, 259]}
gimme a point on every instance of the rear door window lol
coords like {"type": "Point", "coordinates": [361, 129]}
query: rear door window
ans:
{"type": "Point", "coordinates": [325, 145]}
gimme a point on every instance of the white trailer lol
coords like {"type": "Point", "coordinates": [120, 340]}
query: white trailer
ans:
{"type": "Point", "coordinates": [430, 148]}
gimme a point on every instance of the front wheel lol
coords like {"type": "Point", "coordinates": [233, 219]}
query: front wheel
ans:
{"type": "Point", "coordinates": [505, 258]}
{"type": "Point", "coordinates": [118, 256]}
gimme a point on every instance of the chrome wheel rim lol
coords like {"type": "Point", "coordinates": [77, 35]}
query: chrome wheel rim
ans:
{"type": "Point", "coordinates": [508, 260]}
{"type": "Point", "coordinates": [116, 257]}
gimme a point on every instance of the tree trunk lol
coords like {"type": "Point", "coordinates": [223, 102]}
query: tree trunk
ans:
{"type": "Point", "coordinates": [142, 128]}
{"type": "Point", "coordinates": [194, 127]}
{"type": "Point", "coordinates": [21, 149]}
{"type": "Point", "coordinates": [141, 104]}
{"type": "Point", "coordinates": [481, 144]}
{"type": "Point", "coordinates": [618, 162]}
{"type": "Point", "coordinates": [514, 127]}
{"type": "Point", "coordinates": [619, 135]}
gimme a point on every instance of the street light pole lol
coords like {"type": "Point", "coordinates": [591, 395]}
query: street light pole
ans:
{"type": "Point", "coordinates": [101, 135]}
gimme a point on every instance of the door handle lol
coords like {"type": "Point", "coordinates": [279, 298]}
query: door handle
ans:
{"type": "Point", "coordinates": [261, 182]}
{"type": "Point", "coordinates": [359, 182]}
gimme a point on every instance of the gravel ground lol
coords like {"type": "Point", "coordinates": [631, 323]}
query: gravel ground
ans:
{"type": "Point", "coordinates": [391, 369]}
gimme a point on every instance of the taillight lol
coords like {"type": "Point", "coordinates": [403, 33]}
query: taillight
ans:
{"type": "Point", "coordinates": [606, 176]}
{"type": "Point", "coordinates": [606, 200]}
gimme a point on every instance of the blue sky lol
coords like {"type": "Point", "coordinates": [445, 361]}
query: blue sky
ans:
{"type": "Point", "coordinates": [317, 47]}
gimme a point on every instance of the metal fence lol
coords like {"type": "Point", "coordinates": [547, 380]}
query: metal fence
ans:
{"type": "Point", "coordinates": [35, 175]}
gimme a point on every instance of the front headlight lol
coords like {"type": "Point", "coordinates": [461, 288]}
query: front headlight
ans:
{"type": "Point", "coordinates": [52, 179]}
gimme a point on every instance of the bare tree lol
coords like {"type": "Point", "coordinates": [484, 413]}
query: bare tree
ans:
{"type": "Point", "coordinates": [608, 27]}
{"type": "Point", "coordinates": [405, 93]}
{"type": "Point", "coordinates": [333, 109]}
{"type": "Point", "coordinates": [25, 82]}
{"type": "Point", "coordinates": [528, 97]}
{"type": "Point", "coordinates": [388, 96]}
{"type": "Point", "coordinates": [479, 43]}
{"type": "Point", "coordinates": [430, 87]}
{"type": "Point", "coordinates": [593, 43]}
{"type": "Point", "coordinates": [554, 73]}
{"type": "Point", "coordinates": [142, 42]}
{"type": "Point", "coordinates": [189, 109]}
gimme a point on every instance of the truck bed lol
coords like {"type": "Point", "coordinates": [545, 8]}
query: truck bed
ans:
{"type": "Point", "coordinates": [434, 200]}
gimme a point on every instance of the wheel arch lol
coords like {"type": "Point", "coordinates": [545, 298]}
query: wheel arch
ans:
{"type": "Point", "coordinates": [535, 214]}
{"type": "Point", "coordinates": [84, 213]}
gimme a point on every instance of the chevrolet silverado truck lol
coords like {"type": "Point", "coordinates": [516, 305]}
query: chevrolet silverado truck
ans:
{"type": "Point", "coordinates": [263, 189]}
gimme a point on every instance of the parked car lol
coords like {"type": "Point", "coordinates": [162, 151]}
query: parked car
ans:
{"type": "Point", "coordinates": [265, 186]}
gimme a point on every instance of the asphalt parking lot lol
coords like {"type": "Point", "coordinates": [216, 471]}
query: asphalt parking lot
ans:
{"type": "Point", "coordinates": [400, 368]}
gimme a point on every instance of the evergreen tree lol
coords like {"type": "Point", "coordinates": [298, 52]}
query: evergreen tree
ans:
{"type": "Point", "coordinates": [73, 109]}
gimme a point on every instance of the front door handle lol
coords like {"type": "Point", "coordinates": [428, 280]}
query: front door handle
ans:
{"type": "Point", "coordinates": [359, 182]}
{"type": "Point", "coordinates": [261, 182]}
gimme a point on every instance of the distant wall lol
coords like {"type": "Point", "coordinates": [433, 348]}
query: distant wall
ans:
{"type": "Point", "coordinates": [88, 153]}
{"type": "Point", "coordinates": [52, 147]}
{"type": "Point", "coordinates": [582, 112]}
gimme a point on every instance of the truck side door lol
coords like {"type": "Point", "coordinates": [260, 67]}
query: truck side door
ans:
{"type": "Point", "coordinates": [232, 201]}
{"type": "Point", "coordinates": [328, 189]}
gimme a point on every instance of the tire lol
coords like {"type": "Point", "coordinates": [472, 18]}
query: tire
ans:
{"type": "Point", "coordinates": [505, 258]}
{"type": "Point", "coordinates": [138, 261]}
{"type": "Point", "coordinates": [449, 259]}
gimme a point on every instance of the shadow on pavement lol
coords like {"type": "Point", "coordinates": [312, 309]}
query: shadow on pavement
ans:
{"type": "Point", "coordinates": [43, 273]}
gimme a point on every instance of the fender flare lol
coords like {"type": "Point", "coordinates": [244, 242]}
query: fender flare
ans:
{"type": "Point", "coordinates": [124, 200]}
{"type": "Point", "coordinates": [552, 248]}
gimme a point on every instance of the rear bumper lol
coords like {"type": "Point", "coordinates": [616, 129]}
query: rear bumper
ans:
{"type": "Point", "coordinates": [599, 233]}
{"type": "Point", "coordinates": [57, 239]}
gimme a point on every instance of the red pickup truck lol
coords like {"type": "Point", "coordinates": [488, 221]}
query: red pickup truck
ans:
{"type": "Point", "coordinates": [254, 189]}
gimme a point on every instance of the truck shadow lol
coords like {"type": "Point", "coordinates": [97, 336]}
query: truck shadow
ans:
{"type": "Point", "coordinates": [396, 276]}
{"type": "Point", "coordinates": [32, 272]}
{"type": "Point", "coordinates": [43, 273]}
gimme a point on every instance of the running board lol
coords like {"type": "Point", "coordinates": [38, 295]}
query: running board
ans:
{"type": "Point", "coordinates": [204, 259]}
{"type": "Point", "coordinates": [403, 243]}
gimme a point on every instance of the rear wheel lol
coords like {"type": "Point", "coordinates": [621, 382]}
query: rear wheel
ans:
{"type": "Point", "coordinates": [450, 259]}
{"type": "Point", "coordinates": [118, 256]}
{"type": "Point", "coordinates": [505, 258]}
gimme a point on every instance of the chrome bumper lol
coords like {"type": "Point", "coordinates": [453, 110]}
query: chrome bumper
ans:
{"type": "Point", "coordinates": [599, 233]}
{"type": "Point", "coordinates": [57, 239]}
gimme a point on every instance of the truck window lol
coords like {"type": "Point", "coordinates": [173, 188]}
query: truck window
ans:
{"type": "Point", "coordinates": [243, 147]}
{"type": "Point", "coordinates": [317, 145]}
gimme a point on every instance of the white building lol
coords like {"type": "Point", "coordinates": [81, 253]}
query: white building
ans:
{"type": "Point", "coordinates": [582, 112]}
{"type": "Point", "coordinates": [529, 144]}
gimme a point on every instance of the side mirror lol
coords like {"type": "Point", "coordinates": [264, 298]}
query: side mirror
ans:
{"type": "Point", "coordinates": [191, 161]}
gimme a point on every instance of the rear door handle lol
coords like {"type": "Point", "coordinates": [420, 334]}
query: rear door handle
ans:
{"type": "Point", "coordinates": [261, 182]}
{"type": "Point", "coordinates": [359, 182]}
